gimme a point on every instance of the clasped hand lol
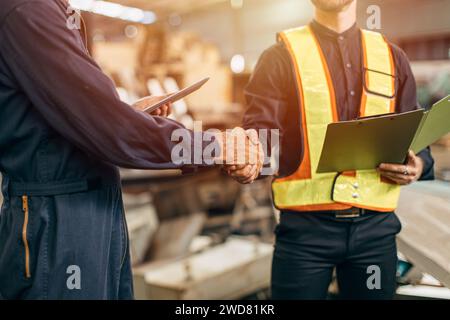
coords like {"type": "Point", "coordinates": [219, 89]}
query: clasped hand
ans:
{"type": "Point", "coordinates": [242, 154]}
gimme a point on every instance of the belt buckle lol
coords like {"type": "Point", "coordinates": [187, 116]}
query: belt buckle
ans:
{"type": "Point", "coordinates": [346, 214]}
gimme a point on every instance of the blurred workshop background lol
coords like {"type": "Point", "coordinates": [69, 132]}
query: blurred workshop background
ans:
{"type": "Point", "coordinates": [204, 236]}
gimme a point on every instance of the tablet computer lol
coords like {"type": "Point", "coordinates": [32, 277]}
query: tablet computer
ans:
{"type": "Point", "coordinates": [177, 95]}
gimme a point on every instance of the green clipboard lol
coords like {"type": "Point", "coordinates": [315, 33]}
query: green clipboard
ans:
{"type": "Point", "coordinates": [365, 143]}
{"type": "Point", "coordinates": [435, 125]}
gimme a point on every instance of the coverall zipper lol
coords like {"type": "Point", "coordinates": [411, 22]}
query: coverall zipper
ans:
{"type": "Point", "coordinates": [24, 236]}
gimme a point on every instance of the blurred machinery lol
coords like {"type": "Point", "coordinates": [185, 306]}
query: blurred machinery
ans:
{"type": "Point", "coordinates": [425, 240]}
{"type": "Point", "coordinates": [232, 270]}
{"type": "Point", "coordinates": [202, 235]}
{"type": "Point", "coordinates": [191, 222]}
{"type": "Point", "coordinates": [158, 62]}
{"type": "Point", "coordinates": [433, 78]}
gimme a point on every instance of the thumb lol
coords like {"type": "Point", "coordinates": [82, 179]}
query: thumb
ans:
{"type": "Point", "coordinates": [411, 157]}
{"type": "Point", "coordinates": [252, 134]}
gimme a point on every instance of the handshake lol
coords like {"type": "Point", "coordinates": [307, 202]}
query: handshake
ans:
{"type": "Point", "coordinates": [242, 155]}
{"type": "Point", "coordinates": [239, 151]}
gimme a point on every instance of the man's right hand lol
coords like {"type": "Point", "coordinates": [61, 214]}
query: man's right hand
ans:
{"type": "Point", "coordinates": [146, 102]}
{"type": "Point", "coordinates": [242, 155]}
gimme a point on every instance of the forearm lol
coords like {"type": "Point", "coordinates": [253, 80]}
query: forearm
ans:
{"type": "Point", "coordinates": [77, 99]}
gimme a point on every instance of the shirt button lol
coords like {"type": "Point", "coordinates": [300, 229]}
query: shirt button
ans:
{"type": "Point", "coordinates": [349, 65]}
{"type": "Point", "coordinates": [355, 196]}
{"type": "Point", "coordinates": [356, 185]}
{"type": "Point", "coordinates": [341, 38]}
{"type": "Point", "coordinates": [352, 93]}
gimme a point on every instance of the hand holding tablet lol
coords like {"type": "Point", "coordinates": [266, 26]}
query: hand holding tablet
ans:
{"type": "Point", "coordinates": [176, 96]}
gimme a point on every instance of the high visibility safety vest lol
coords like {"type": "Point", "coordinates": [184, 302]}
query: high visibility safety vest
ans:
{"type": "Point", "coordinates": [306, 190]}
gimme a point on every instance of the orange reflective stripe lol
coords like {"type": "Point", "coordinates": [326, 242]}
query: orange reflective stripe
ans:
{"type": "Point", "coordinates": [349, 173]}
{"type": "Point", "coordinates": [361, 206]}
{"type": "Point", "coordinates": [362, 110]}
{"type": "Point", "coordinates": [317, 207]}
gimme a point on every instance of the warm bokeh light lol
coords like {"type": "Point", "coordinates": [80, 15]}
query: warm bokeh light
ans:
{"type": "Point", "coordinates": [237, 63]}
{"type": "Point", "coordinates": [115, 10]}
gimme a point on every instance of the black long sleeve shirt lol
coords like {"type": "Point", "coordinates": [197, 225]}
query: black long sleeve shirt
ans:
{"type": "Point", "coordinates": [60, 115]}
{"type": "Point", "coordinates": [273, 102]}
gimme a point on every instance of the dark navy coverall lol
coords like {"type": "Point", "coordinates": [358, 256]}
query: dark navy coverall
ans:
{"type": "Point", "coordinates": [63, 131]}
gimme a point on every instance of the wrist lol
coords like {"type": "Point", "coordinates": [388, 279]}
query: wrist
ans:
{"type": "Point", "coordinates": [220, 156]}
{"type": "Point", "coordinates": [421, 166]}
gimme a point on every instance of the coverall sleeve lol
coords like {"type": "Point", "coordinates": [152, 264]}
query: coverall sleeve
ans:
{"type": "Point", "coordinates": [407, 101]}
{"type": "Point", "coordinates": [51, 66]}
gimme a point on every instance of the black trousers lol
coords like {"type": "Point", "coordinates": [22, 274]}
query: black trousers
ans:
{"type": "Point", "coordinates": [309, 246]}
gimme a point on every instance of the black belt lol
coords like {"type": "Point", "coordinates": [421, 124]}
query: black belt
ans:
{"type": "Point", "coordinates": [350, 213]}
{"type": "Point", "coordinates": [53, 188]}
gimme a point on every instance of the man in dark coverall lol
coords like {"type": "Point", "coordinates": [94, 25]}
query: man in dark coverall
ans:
{"type": "Point", "coordinates": [63, 131]}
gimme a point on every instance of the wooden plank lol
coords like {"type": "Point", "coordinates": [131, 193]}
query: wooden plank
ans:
{"type": "Point", "coordinates": [424, 210]}
{"type": "Point", "coordinates": [229, 271]}
{"type": "Point", "coordinates": [174, 236]}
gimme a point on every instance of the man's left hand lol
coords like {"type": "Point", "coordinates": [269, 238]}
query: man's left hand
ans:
{"type": "Point", "coordinates": [146, 102]}
{"type": "Point", "coordinates": [403, 174]}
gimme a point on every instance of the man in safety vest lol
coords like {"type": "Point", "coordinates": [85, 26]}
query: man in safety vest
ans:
{"type": "Point", "coordinates": [328, 71]}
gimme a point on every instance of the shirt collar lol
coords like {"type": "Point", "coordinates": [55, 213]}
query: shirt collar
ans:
{"type": "Point", "coordinates": [322, 31]}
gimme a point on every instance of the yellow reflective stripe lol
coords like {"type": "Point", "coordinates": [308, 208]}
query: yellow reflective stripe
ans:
{"type": "Point", "coordinates": [366, 191]}
{"type": "Point", "coordinates": [303, 192]}
{"type": "Point", "coordinates": [316, 91]}
{"type": "Point", "coordinates": [377, 58]}
{"type": "Point", "coordinates": [376, 104]}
